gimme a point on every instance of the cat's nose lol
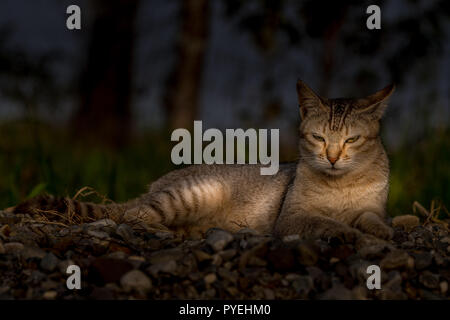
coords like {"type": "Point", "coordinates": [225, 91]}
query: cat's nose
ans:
{"type": "Point", "coordinates": [332, 160]}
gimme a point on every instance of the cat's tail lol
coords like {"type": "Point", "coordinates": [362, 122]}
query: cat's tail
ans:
{"type": "Point", "coordinates": [71, 211]}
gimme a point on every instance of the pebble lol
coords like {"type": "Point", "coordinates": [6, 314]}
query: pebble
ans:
{"type": "Point", "coordinates": [136, 261]}
{"type": "Point", "coordinates": [102, 224]}
{"type": "Point", "coordinates": [303, 285]}
{"type": "Point", "coordinates": [429, 280]}
{"type": "Point", "coordinates": [64, 264]}
{"type": "Point", "coordinates": [166, 255]}
{"type": "Point", "coordinates": [337, 292]}
{"type": "Point", "coordinates": [282, 259]}
{"type": "Point", "coordinates": [407, 222]}
{"type": "Point", "coordinates": [105, 270]}
{"type": "Point", "coordinates": [396, 259]}
{"type": "Point", "coordinates": [269, 294]}
{"type": "Point", "coordinates": [210, 278]}
{"type": "Point", "coordinates": [228, 254]}
{"type": "Point", "coordinates": [50, 295]}
{"type": "Point", "coordinates": [218, 239]}
{"type": "Point", "coordinates": [444, 287]}
{"type": "Point", "coordinates": [125, 232]}
{"type": "Point", "coordinates": [168, 266]}
{"type": "Point", "coordinates": [221, 265]}
{"type": "Point", "coordinates": [136, 280]}
{"type": "Point", "coordinates": [291, 237]}
{"type": "Point", "coordinates": [49, 262]}
{"type": "Point", "coordinates": [13, 247]}
{"type": "Point", "coordinates": [98, 234]}
{"type": "Point", "coordinates": [308, 253]}
{"type": "Point", "coordinates": [373, 252]}
{"type": "Point", "coordinates": [423, 260]}
{"type": "Point", "coordinates": [33, 253]}
{"type": "Point", "coordinates": [5, 231]}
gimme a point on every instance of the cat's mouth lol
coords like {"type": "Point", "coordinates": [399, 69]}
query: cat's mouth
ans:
{"type": "Point", "coordinates": [334, 171]}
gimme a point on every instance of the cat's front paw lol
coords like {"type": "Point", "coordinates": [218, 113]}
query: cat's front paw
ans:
{"type": "Point", "coordinates": [372, 224]}
{"type": "Point", "coordinates": [381, 231]}
{"type": "Point", "coordinates": [347, 235]}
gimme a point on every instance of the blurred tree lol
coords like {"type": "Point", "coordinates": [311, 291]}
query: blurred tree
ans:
{"type": "Point", "coordinates": [106, 82]}
{"type": "Point", "coordinates": [183, 85]}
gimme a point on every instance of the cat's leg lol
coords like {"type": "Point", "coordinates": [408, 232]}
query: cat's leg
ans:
{"type": "Point", "coordinates": [371, 223]}
{"type": "Point", "coordinates": [314, 226]}
{"type": "Point", "coordinates": [145, 217]}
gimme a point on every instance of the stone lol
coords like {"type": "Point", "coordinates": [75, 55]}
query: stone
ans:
{"type": "Point", "coordinates": [101, 224]}
{"type": "Point", "coordinates": [117, 255]}
{"type": "Point", "coordinates": [37, 277]}
{"type": "Point", "coordinates": [303, 285]}
{"type": "Point", "coordinates": [210, 278]}
{"type": "Point", "coordinates": [98, 234]}
{"type": "Point", "coordinates": [102, 293]}
{"type": "Point", "coordinates": [105, 270]}
{"type": "Point", "coordinates": [281, 259]}
{"type": "Point", "coordinates": [33, 253]}
{"type": "Point", "coordinates": [269, 294]}
{"type": "Point", "coordinates": [396, 259]}
{"type": "Point", "coordinates": [308, 253]}
{"type": "Point", "coordinates": [64, 264]}
{"type": "Point", "coordinates": [228, 254]}
{"type": "Point", "coordinates": [444, 287]}
{"type": "Point", "coordinates": [13, 247]}
{"type": "Point", "coordinates": [407, 222]}
{"type": "Point", "coordinates": [49, 262]}
{"type": "Point", "coordinates": [5, 231]}
{"type": "Point", "coordinates": [168, 266]}
{"type": "Point", "coordinates": [218, 239]}
{"type": "Point", "coordinates": [166, 255]}
{"type": "Point", "coordinates": [136, 280]}
{"type": "Point", "coordinates": [359, 293]}
{"type": "Point", "coordinates": [429, 280]}
{"type": "Point", "coordinates": [422, 260]}
{"type": "Point", "coordinates": [125, 232]}
{"type": "Point", "coordinates": [337, 292]}
{"type": "Point", "coordinates": [136, 261]}
{"type": "Point", "coordinates": [373, 252]}
{"type": "Point", "coordinates": [50, 295]}
{"type": "Point", "coordinates": [358, 270]}
{"type": "Point", "coordinates": [201, 255]}
{"type": "Point", "coordinates": [291, 237]}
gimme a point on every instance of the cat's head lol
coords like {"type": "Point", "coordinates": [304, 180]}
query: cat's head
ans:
{"type": "Point", "coordinates": [338, 136]}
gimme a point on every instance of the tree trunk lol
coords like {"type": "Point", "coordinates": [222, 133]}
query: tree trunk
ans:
{"type": "Point", "coordinates": [104, 114]}
{"type": "Point", "coordinates": [184, 83]}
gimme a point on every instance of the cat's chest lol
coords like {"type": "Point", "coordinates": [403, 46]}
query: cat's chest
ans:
{"type": "Point", "coordinates": [336, 200]}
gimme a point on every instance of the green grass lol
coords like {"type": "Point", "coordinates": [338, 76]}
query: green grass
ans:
{"type": "Point", "coordinates": [36, 158]}
{"type": "Point", "coordinates": [46, 160]}
{"type": "Point", "coordinates": [420, 171]}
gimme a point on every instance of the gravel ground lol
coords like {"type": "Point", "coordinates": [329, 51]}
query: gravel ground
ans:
{"type": "Point", "coordinates": [117, 262]}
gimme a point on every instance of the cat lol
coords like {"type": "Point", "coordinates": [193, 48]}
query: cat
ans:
{"type": "Point", "coordinates": [337, 188]}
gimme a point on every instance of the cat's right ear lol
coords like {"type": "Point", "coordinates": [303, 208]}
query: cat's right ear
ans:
{"type": "Point", "coordinates": [308, 101]}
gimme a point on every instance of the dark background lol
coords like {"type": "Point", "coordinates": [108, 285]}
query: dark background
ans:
{"type": "Point", "coordinates": [95, 107]}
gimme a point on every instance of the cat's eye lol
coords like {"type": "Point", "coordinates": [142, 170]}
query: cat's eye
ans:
{"type": "Point", "coordinates": [352, 139]}
{"type": "Point", "coordinates": [318, 138]}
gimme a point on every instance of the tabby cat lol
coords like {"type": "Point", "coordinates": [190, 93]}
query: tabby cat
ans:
{"type": "Point", "coordinates": [337, 188]}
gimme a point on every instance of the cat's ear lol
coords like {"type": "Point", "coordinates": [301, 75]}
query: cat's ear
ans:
{"type": "Point", "coordinates": [375, 104]}
{"type": "Point", "coordinates": [308, 101]}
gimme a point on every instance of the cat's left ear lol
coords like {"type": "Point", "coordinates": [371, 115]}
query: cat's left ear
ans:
{"type": "Point", "coordinates": [375, 104]}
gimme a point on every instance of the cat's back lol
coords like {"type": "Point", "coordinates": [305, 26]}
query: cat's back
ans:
{"type": "Point", "coordinates": [239, 175]}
